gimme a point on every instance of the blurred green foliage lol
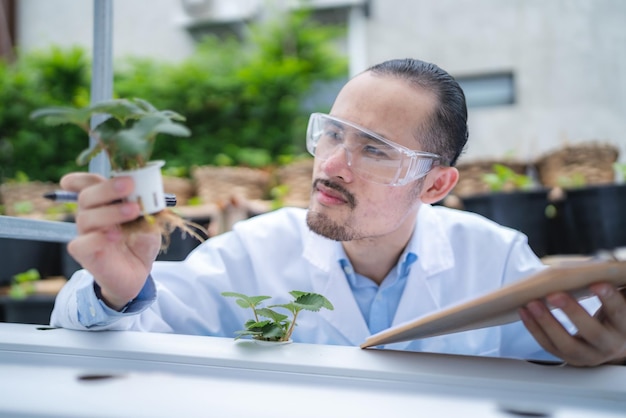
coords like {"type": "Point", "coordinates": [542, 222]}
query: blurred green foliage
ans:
{"type": "Point", "coordinates": [243, 99]}
{"type": "Point", "coordinates": [41, 79]}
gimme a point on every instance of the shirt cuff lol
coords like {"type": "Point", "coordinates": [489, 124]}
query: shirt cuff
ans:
{"type": "Point", "coordinates": [92, 311]}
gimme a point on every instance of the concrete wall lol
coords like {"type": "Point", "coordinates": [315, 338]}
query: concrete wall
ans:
{"type": "Point", "coordinates": [144, 28]}
{"type": "Point", "coordinates": [568, 57]}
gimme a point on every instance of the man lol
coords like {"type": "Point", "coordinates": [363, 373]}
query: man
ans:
{"type": "Point", "coordinates": [370, 242]}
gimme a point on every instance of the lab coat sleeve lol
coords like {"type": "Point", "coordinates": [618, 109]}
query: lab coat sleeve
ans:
{"type": "Point", "coordinates": [188, 291]}
{"type": "Point", "coordinates": [78, 305]}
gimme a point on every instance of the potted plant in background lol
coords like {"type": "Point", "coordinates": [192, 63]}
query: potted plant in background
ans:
{"type": "Point", "coordinates": [29, 299]}
{"type": "Point", "coordinates": [513, 199]}
{"type": "Point", "coordinates": [268, 325]}
{"type": "Point", "coordinates": [127, 137]}
{"type": "Point", "coordinates": [591, 204]}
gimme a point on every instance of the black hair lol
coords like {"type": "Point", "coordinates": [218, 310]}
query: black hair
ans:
{"type": "Point", "coordinates": [446, 133]}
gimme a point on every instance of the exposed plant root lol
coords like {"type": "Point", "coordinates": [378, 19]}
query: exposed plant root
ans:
{"type": "Point", "coordinates": [165, 222]}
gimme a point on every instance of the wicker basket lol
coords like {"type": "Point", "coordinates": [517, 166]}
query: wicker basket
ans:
{"type": "Point", "coordinates": [182, 187]}
{"type": "Point", "coordinates": [297, 177]}
{"type": "Point", "coordinates": [471, 176]}
{"type": "Point", "coordinates": [220, 185]}
{"type": "Point", "coordinates": [26, 199]}
{"type": "Point", "coordinates": [585, 163]}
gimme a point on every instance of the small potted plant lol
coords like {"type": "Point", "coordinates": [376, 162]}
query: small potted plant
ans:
{"type": "Point", "coordinates": [30, 298]}
{"type": "Point", "coordinates": [268, 325]}
{"type": "Point", "coordinates": [515, 201]}
{"type": "Point", "coordinates": [127, 137]}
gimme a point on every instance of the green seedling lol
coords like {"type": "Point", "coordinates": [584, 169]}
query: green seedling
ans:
{"type": "Point", "coordinates": [127, 135]}
{"type": "Point", "coordinates": [23, 284]}
{"type": "Point", "coordinates": [504, 178]}
{"type": "Point", "coordinates": [270, 325]}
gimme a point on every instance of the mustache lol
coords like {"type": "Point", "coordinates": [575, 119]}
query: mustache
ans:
{"type": "Point", "coordinates": [335, 186]}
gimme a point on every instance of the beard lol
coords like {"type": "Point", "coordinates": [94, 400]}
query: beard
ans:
{"type": "Point", "coordinates": [322, 225]}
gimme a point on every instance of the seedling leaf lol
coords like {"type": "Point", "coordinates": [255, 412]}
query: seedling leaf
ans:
{"type": "Point", "coordinates": [272, 314]}
{"type": "Point", "coordinates": [278, 327]}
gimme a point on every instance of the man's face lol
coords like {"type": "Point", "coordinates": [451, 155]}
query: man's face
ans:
{"type": "Point", "coordinates": [346, 207]}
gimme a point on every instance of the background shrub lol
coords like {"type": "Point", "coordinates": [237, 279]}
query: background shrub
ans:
{"type": "Point", "coordinates": [243, 99]}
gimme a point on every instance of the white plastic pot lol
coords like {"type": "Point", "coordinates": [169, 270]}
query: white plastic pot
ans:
{"type": "Point", "coordinates": [271, 343]}
{"type": "Point", "coordinates": [148, 187]}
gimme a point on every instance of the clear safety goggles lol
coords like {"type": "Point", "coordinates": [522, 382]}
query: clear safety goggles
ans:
{"type": "Point", "coordinates": [368, 154]}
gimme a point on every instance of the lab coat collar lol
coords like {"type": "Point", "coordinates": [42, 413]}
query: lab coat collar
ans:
{"type": "Point", "coordinates": [429, 241]}
{"type": "Point", "coordinates": [330, 280]}
{"type": "Point", "coordinates": [434, 250]}
{"type": "Point", "coordinates": [432, 245]}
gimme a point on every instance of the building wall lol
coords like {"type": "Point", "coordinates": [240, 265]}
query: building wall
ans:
{"type": "Point", "coordinates": [567, 57]}
{"type": "Point", "coordinates": [144, 28]}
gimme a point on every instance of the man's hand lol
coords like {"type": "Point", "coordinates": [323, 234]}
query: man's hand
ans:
{"type": "Point", "coordinates": [600, 339]}
{"type": "Point", "coordinates": [119, 262]}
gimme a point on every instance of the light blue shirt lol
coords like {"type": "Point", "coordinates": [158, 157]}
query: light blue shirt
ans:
{"type": "Point", "coordinates": [378, 304]}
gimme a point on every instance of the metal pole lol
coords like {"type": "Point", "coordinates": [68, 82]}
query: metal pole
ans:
{"type": "Point", "coordinates": [101, 89]}
{"type": "Point", "coordinates": [102, 72]}
{"type": "Point", "coordinates": [36, 229]}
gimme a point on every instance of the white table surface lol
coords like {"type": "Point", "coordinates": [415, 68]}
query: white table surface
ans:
{"type": "Point", "coordinates": [58, 372]}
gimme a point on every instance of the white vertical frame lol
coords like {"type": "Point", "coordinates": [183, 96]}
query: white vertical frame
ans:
{"type": "Point", "coordinates": [101, 89]}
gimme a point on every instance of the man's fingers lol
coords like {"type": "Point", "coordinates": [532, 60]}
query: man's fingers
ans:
{"type": "Point", "coordinates": [75, 182]}
{"type": "Point", "coordinates": [94, 190]}
{"type": "Point", "coordinates": [537, 331]}
{"type": "Point", "coordinates": [613, 311]}
{"type": "Point", "coordinates": [596, 341]}
{"type": "Point", "coordinates": [81, 247]}
{"type": "Point", "coordinates": [106, 216]}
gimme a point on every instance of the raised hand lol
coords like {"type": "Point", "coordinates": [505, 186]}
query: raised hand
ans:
{"type": "Point", "coordinates": [119, 261]}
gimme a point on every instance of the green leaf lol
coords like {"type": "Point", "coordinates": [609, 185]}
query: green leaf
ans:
{"type": "Point", "coordinates": [244, 333]}
{"type": "Point", "coordinates": [256, 326]}
{"type": "Point", "coordinates": [145, 105]}
{"type": "Point", "coordinates": [30, 275]}
{"type": "Point", "coordinates": [132, 145]}
{"type": "Point", "coordinates": [20, 291]}
{"type": "Point", "coordinates": [504, 177]}
{"type": "Point", "coordinates": [120, 109]}
{"type": "Point", "coordinates": [273, 332]}
{"type": "Point", "coordinates": [22, 285]}
{"type": "Point", "coordinates": [289, 306]}
{"type": "Point", "coordinates": [278, 327]}
{"type": "Point", "coordinates": [171, 128]}
{"type": "Point", "coordinates": [88, 154]}
{"type": "Point", "coordinates": [272, 314]}
{"type": "Point", "coordinates": [170, 114]}
{"type": "Point", "coordinates": [311, 301]}
{"type": "Point", "coordinates": [248, 300]}
{"type": "Point", "coordinates": [63, 115]}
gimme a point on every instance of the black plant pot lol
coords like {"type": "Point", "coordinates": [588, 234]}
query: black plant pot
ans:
{"type": "Point", "coordinates": [35, 309]}
{"type": "Point", "coordinates": [524, 211]}
{"type": "Point", "coordinates": [595, 218]}
{"type": "Point", "coordinates": [17, 256]}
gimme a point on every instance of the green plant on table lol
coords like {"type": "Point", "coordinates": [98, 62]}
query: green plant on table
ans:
{"type": "Point", "coordinates": [23, 284]}
{"type": "Point", "coordinates": [270, 325]}
{"type": "Point", "coordinates": [504, 178]}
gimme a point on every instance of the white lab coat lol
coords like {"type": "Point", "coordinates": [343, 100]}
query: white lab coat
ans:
{"type": "Point", "coordinates": [460, 256]}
